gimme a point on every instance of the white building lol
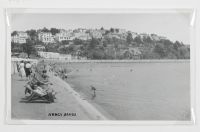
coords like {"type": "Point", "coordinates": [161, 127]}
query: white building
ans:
{"type": "Point", "coordinates": [64, 35]}
{"type": "Point", "coordinates": [134, 35]}
{"type": "Point", "coordinates": [20, 37]}
{"type": "Point", "coordinates": [113, 35]}
{"type": "Point", "coordinates": [48, 55]}
{"type": "Point", "coordinates": [82, 35]}
{"type": "Point", "coordinates": [80, 30]}
{"type": "Point", "coordinates": [155, 37]}
{"type": "Point", "coordinates": [52, 55]}
{"type": "Point", "coordinates": [39, 47]}
{"type": "Point", "coordinates": [121, 31]}
{"type": "Point", "coordinates": [143, 35]}
{"type": "Point", "coordinates": [46, 37]}
{"type": "Point", "coordinates": [162, 38]}
{"type": "Point", "coordinates": [65, 57]}
{"type": "Point", "coordinates": [96, 34]}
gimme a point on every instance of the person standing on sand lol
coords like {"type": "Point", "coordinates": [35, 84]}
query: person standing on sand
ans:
{"type": "Point", "coordinates": [17, 64]}
{"type": "Point", "coordinates": [21, 70]}
{"type": "Point", "coordinates": [28, 70]}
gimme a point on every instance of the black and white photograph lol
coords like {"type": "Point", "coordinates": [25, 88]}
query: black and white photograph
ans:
{"type": "Point", "coordinates": [132, 66]}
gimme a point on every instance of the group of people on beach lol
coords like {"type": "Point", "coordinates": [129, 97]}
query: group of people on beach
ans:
{"type": "Point", "coordinates": [39, 84]}
{"type": "Point", "coordinates": [24, 69]}
{"type": "Point", "coordinates": [41, 71]}
{"type": "Point", "coordinates": [58, 71]}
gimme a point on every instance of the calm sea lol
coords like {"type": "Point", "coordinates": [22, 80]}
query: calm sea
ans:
{"type": "Point", "coordinates": [135, 91]}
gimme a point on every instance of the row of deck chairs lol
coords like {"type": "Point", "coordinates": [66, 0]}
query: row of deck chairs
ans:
{"type": "Point", "coordinates": [38, 91]}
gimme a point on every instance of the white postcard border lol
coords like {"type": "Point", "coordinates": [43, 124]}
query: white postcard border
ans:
{"type": "Point", "coordinates": [10, 11]}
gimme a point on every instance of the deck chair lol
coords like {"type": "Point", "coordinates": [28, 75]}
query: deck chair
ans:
{"type": "Point", "coordinates": [41, 96]}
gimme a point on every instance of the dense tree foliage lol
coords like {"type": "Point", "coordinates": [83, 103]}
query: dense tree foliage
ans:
{"type": "Point", "coordinates": [138, 40]}
{"type": "Point", "coordinates": [14, 33]}
{"type": "Point", "coordinates": [54, 31]}
{"type": "Point", "coordinates": [45, 30]}
{"type": "Point", "coordinates": [33, 34]}
{"type": "Point", "coordinates": [109, 47]}
{"type": "Point", "coordinates": [129, 38]}
{"type": "Point", "coordinates": [29, 48]}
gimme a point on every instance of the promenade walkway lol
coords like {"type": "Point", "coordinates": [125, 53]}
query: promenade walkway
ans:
{"type": "Point", "coordinates": [68, 101]}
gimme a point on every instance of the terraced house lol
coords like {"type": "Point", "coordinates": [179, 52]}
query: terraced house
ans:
{"type": "Point", "coordinates": [82, 35]}
{"type": "Point", "coordinates": [46, 37]}
{"type": "Point", "coordinates": [96, 34]}
{"type": "Point", "coordinates": [20, 37]}
{"type": "Point", "coordinates": [64, 35]}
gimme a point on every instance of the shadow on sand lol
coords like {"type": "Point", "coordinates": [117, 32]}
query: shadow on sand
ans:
{"type": "Point", "coordinates": [25, 100]}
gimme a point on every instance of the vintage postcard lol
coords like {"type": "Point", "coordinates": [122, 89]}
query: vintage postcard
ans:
{"type": "Point", "coordinates": [99, 65]}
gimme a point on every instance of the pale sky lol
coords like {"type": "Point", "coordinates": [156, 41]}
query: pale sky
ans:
{"type": "Point", "coordinates": [175, 26]}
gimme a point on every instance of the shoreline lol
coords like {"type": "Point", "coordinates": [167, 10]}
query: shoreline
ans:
{"type": "Point", "coordinates": [92, 111]}
{"type": "Point", "coordinates": [94, 104]}
{"type": "Point", "coordinates": [107, 61]}
{"type": "Point", "coordinates": [121, 61]}
{"type": "Point", "coordinates": [84, 109]}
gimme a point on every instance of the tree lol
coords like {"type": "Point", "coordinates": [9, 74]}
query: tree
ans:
{"type": "Point", "coordinates": [12, 46]}
{"type": "Point", "coordinates": [29, 48]}
{"type": "Point", "coordinates": [127, 54]}
{"type": "Point", "coordinates": [138, 40]}
{"type": "Point", "coordinates": [14, 33]}
{"type": "Point", "coordinates": [15, 47]}
{"type": "Point", "coordinates": [51, 47]}
{"type": "Point", "coordinates": [176, 45]}
{"type": "Point", "coordinates": [129, 38]}
{"type": "Point", "coordinates": [96, 54]}
{"type": "Point", "coordinates": [32, 33]}
{"type": "Point", "coordinates": [107, 32]}
{"type": "Point", "coordinates": [184, 52]}
{"type": "Point", "coordinates": [54, 31]}
{"type": "Point", "coordinates": [78, 41]}
{"type": "Point", "coordinates": [148, 54]}
{"type": "Point", "coordinates": [148, 39]}
{"type": "Point", "coordinates": [170, 55]}
{"type": "Point", "coordinates": [63, 50]}
{"type": "Point", "coordinates": [93, 43]}
{"type": "Point", "coordinates": [64, 42]}
{"type": "Point", "coordinates": [167, 43]}
{"type": "Point", "coordinates": [39, 42]}
{"type": "Point", "coordinates": [160, 49]}
{"type": "Point", "coordinates": [117, 30]}
{"type": "Point", "coordinates": [71, 49]}
{"type": "Point", "coordinates": [45, 30]}
{"type": "Point", "coordinates": [112, 30]}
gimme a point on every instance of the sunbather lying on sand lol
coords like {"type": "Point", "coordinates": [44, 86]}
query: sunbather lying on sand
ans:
{"type": "Point", "coordinates": [38, 84]}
